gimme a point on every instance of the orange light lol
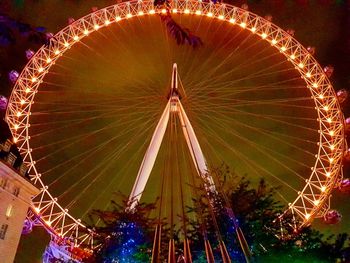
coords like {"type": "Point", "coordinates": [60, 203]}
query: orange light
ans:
{"type": "Point", "coordinates": [152, 12]}
{"type": "Point", "coordinates": [34, 79]}
{"type": "Point", "coordinates": [129, 15]}
{"type": "Point", "coordinates": [174, 11]}
{"type": "Point", "coordinates": [48, 60]}
{"type": "Point", "coordinates": [27, 90]}
{"type": "Point", "coordinates": [198, 12]}
{"type": "Point", "coordinates": [328, 174]}
{"type": "Point", "coordinates": [18, 114]}
{"type": "Point", "coordinates": [86, 32]}
{"type": "Point", "coordinates": [66, 44]}
{"type": "Point", "coordinates": [317, 202]}
{"type": "Point", "coordinates": [283, 48]}
{"type": "Point", "coordinates": [232, 20]}
{"type": "Point", "coordinates": [243, 25]}
{"type": "Point", "coordinates": [221, 17]}
{"type": "Point", "coordinates": [107, 22]}
{"type": "Point", "coordinates": [118, 18]}
{"type": "Point", "coordinates": [274, 41]}
{"type": "Point", "coordinates": [321, 97]}
{"type": "Point", "coordinates": [308, 75]}
{"type": "Point", "coordinates": [187, 11]}
{"type": "Point", "coordinates": [292, 56]}
{"type": "Point", "coordinates": [301, 65]}
{"type": "Point", "coordinates": [323, 188]}
{"type": "Point", "coordinates": [331, 133]}
{"type": "Point", "coordinates": [315, 85]}
{"type": "Point", "coordinates": [263, 35]}
{"type": "Point", "coordinates": [75, 38]}
{"type": "Point", "coordinates": [22, 102]}
{"type": "Point", "coordinates": [210, 14]}
{"type": "Point", "coordinates": [329, 120]}
{"type": "Point", "coordinates": [57, 52]}
{"type": "Point", "coordinates": [96, 27]}
{"type": "Point", "coordinates": [141, 13]}
{"type": "Point", "coordinates": [163, 11]}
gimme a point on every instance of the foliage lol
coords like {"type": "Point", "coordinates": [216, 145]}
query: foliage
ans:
{"type": "Point", "coordinates": [237, 204]}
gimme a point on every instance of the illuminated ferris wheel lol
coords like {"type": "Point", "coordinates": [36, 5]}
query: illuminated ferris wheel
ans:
{"type": "Point", "coordinates": [252, 97]}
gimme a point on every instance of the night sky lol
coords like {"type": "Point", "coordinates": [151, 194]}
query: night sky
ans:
{"type": "Point", "coordinates": [324, 24]}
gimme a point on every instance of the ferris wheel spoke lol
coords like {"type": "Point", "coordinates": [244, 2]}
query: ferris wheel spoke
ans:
{"type": "Point", "coordinates": [112, 156]}
{"type": "Point", "coordinates": [253, 166]}
{"type": "Point", "coordinates": [267, 134]}
{"type": "Point", "coordinates": [260, 148]}
{"type": "Point", "coordinates": [81, 121]}
{"type": "Point", "coordinates": [254, 74]}
{"type": "Point", "coordinates": [112, 183]}
{"type": "Point", "coordinates": [85, 155]}
{"type": "Point", "coordinates": [217, 81]}
{"type": "Point", "coordinates": [270, 133]}
{"type": "Point", "coordinates": [214, 135]}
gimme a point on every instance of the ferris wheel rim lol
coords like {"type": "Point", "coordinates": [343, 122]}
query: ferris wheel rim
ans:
{"type": "Point", "coordinates": [325, 173]}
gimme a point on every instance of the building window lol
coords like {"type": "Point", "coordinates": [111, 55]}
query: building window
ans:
{"type": "Point", "coordinates": [9, 211]}
{"type": "Point", "coordinates": [3, 230]}
{"type": "Point", "coordinates": [3, 182]}
{"type": "Point", "coordinates": [16, 191]}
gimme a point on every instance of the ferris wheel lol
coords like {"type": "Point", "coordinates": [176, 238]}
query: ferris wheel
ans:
{"type": "Point", "coordinates": [90, 111]}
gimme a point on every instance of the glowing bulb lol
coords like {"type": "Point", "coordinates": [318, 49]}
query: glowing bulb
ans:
{"type": "Point", "coordinates": [118, 18]}
{"type": "Point", "coordinates": [329, 120]}
{"type": "Point", "coordinates": [210, 14]}
{"type": "Point", "coordinates": [243, 25]}
{"type": "Point", "coordinates": [323, 188]}
{"type": "Point", "coordinates": [86, 32]}
{"type": "Point", "coordinates": [18, 114]}
{"type": "Point", "coordinates": [328, 174]}
{"type": "Point", "coordinates": [317, 202]}
{"type": "Point", "coordinates": [331, 160]}
{"type": "Point", "coordinates": [15, 126]}
{"type": "Point", "coordinates": [15, 139]}
{"type": "Point", "coordinates": [301, 65]}
{"type": "Point", "coordinates": [48, 60]}
{"type": "Point", "coordinates": [315, 85]}
{"type": "Point", "coordinates": [152, 12]}
{"type": "Point", "coordinates": [174, 11]}
{"type": "Point", "coordinates": [75, 38]}
{"type": "Point", "coordinates": [274, 41]}
{"type": "Point", "coordinates": [96, 27]}
{"type": "Point", "coordinates": [221, 17]}
{"type": "Point", "coordinates": [307, 216]}
{"type": "Point", "coordinates": [326, 108]}
{"type": "Point", "coordinates": [163, 11]}
{"type": "Point", "coordinates": [198, 12]}
{"type": "Point", "coordinates": [40, 69]}
{"type": "Point", "coordinates": [34, 79]}
{"type": "Point", "coordinates": [107, 22]}
{"type": "Point", "coordinates": [332, 147]}
{"type": "Point", "coordinates": [232, 20]}
{"type": "Point", "coordinates": [331, 133]}
{"type": "Point", "coordinates": [128, 15]}
{"type": "Point", "coordinates": [66, 44]}
{"type": "Point", "coordinates": [187, 11]}
{"type": "Point", "coordinates": [263, 35]}
{"type": "Point", "coordinates": [27, 90]}
{"type": "Point", "coordinates": [321, 97]}
{"type": "Point", "coordinates": [48, 223]}
{"type": "Point", "coordinates": [292, 56]}
{"type": "Point", "coordinates": [22, 102]}
{"type": "Point", "coordinates": [141, 13]}
{"type": "Point", "coordinates": [57, 52]}
{"type": "Point", "coordinates": [283, 48]}
{"type": "Point", "coordinates": [308, 75]}
{"type": "Point", "coordinates": [37, 209]}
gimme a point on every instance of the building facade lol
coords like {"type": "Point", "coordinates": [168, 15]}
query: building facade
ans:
{"type": "Point", "coordinates": [16, 192]}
